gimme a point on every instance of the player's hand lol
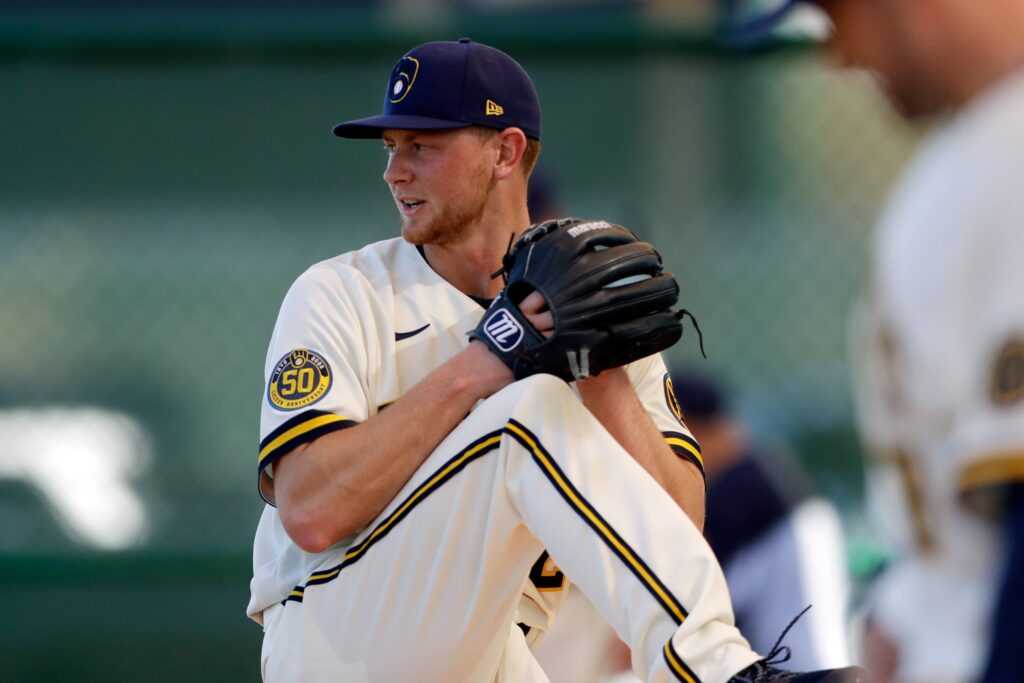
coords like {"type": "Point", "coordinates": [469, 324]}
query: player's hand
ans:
{"type": "Point", "coordinates": [612, 380]}
{"type": "Point", "coordinates": [536, 311]}
{"type": "Point", "coordinates": [608, 289]}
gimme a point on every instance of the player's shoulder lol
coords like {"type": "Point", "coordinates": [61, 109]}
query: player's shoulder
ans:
{"type": "Point", "coordinates": [961, 188]}
{"type": "Point", "coordinates": [377, 261]}
{"type": "Point", "coordinates": [362, 270]}
{"type": "Point", "coordinates": [994, 116]}
{"type": "Point", "coordinates": [981, 143]}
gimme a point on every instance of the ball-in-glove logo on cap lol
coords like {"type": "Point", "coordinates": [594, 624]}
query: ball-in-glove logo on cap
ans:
{"type": "Point", "coordinates": [403, 78]}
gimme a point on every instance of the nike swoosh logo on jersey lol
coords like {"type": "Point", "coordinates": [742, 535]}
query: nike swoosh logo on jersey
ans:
{"type": "Point", "coordinates": [399, 336]}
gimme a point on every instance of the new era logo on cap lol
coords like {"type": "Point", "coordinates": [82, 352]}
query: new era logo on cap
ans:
{"type": "Point", "coordinates": [504, 330]}
{"type": "Point", "coordinates": [492, 108]}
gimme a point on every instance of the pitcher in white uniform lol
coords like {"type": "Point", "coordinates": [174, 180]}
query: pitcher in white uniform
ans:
{"type": "Point", "coordinates": [425, 512]}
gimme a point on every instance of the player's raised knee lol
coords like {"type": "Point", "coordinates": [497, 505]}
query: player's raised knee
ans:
{"type": "Point", "coordinates": [544, 387]}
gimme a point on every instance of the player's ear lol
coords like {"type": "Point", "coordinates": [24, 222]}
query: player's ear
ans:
{"type": "Point", "coordinates": [511, 147]}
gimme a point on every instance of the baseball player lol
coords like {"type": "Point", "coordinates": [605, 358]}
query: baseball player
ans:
{"type": "Point", "coordinates": [940, 340]}
{"type": "Point", "coordinates": [430, 492]}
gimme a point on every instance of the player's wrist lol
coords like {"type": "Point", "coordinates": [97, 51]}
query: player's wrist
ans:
{"type": "Point", "coordinates": [480, 372]}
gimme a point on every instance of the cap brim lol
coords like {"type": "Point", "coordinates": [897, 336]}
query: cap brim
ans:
{"type": "Point", "coordinates": [373, 126]}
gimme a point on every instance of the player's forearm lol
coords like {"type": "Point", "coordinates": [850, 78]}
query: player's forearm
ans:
{"type": "Point", "coordinates": [336, 485]}
{"type": "Point", "coordinates": [613, 401]}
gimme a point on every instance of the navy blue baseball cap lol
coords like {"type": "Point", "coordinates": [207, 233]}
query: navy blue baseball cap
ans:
{"type": "Point", "coordinates": [453, 84]}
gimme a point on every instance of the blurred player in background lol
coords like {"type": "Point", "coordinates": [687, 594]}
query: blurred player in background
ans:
{"type": "Point", "coordinates": [782, 524]}
{"type": "Point", "coordinates": [940, 339]}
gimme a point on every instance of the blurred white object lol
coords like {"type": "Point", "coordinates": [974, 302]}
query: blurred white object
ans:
{"type": "Point", "coordinates": [83, 462]}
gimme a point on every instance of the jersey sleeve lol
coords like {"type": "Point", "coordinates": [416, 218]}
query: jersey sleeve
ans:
{"type": "Point", "coordinates": [988, 432]}
{"type": "Point", "coordinates": [319, 365]}
{"type": "Point", "coordinates": [653, 385]}
{"type": "Point", "coordinates": [953, 307]}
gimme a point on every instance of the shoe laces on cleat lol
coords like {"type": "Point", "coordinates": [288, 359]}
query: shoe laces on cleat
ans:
{"type": "Point", "coordinates": [764, 671]}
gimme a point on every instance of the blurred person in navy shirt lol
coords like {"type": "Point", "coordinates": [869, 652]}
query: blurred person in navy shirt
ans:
{"type": "Point", "coordinates": [780, 544]}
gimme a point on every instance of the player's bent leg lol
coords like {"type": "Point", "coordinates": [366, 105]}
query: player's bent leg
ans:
{"type": "Point", "coordinates": [429, 591]}
{"type": "Point", "coordinates": [621, 538]}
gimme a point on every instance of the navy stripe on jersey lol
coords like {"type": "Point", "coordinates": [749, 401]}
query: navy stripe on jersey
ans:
{"type": "Point", "coordinates": [303, 428]}
{"type": "Point", "coordinates": [687, 448]}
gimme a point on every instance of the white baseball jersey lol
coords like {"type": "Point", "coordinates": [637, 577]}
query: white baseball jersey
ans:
{"type": "Point", "coordinates": [356, 332]}
{"type": "Point", "coordinates": [941, 391]}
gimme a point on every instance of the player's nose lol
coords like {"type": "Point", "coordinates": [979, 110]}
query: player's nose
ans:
{"type": "Point", "coordinates": [397, 170]}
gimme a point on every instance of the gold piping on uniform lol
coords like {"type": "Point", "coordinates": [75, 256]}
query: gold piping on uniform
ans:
{"type": "Point", "coordinates": [995, 468]}
{"type": "Point", "coordinates": [691, 446]}
{"type": "Point", "coordinates": [596, 522]}
{"type": "Point", "coordinates": [298, 431]}
{"type": "Point", "coordinates": [677, 665]}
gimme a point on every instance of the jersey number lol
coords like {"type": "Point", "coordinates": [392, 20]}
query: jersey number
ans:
{"type": "Point", "coordinates": [546, 575]}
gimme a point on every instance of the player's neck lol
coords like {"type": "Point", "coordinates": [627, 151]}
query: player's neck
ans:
{"type": "Point", "coordinates": [469, 263]}
{"type": "Point", "coordinates": [993, 52]}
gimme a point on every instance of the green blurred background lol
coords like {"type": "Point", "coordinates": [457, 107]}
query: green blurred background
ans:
{"type": "Point", "coordinates": [169, 170]}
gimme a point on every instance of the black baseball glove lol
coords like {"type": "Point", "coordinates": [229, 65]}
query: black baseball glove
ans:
{"type": "Point", "coordinates": [610, 300]}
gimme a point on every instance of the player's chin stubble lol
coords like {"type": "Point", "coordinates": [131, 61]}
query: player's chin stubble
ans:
{"type": "Point", "coordinates": [453, 222]}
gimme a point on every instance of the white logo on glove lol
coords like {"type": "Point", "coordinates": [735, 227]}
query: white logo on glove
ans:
{"type": "Point", "coordinates": [584, 228]}
{"type": "Point", "coordinates": [502, 329]}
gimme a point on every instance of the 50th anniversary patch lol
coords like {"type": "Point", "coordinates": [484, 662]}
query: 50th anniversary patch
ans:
{"type": "Point", "coordinates": [298, 380]}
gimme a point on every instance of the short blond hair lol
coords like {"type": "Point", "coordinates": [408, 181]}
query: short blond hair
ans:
{"type": "Point", "coordinates": [530, 154]}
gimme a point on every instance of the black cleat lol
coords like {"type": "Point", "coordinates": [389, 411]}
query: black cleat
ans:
{"type": "Point", "coordinates": [760, 672]}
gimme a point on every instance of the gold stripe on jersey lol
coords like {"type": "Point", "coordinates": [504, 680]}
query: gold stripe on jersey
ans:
{"type": "Point", "coordinates": [993, 469]}
{"type": "Point", "coordinates": [677, 665]}
{"type": "Point", "coordinates": [686, 447]}
{"type": "Point", "coordinates": [457, 463]}
{"type": "Point", "coordinates": [612, 539]}
{"type": "Point", "coordinates": [303, 428]}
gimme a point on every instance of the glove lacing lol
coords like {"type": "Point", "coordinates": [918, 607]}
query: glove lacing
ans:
{"type": "Point", "coordinates": [503, 271]}
{"type": "Point", "coordinates": [700, 339]}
